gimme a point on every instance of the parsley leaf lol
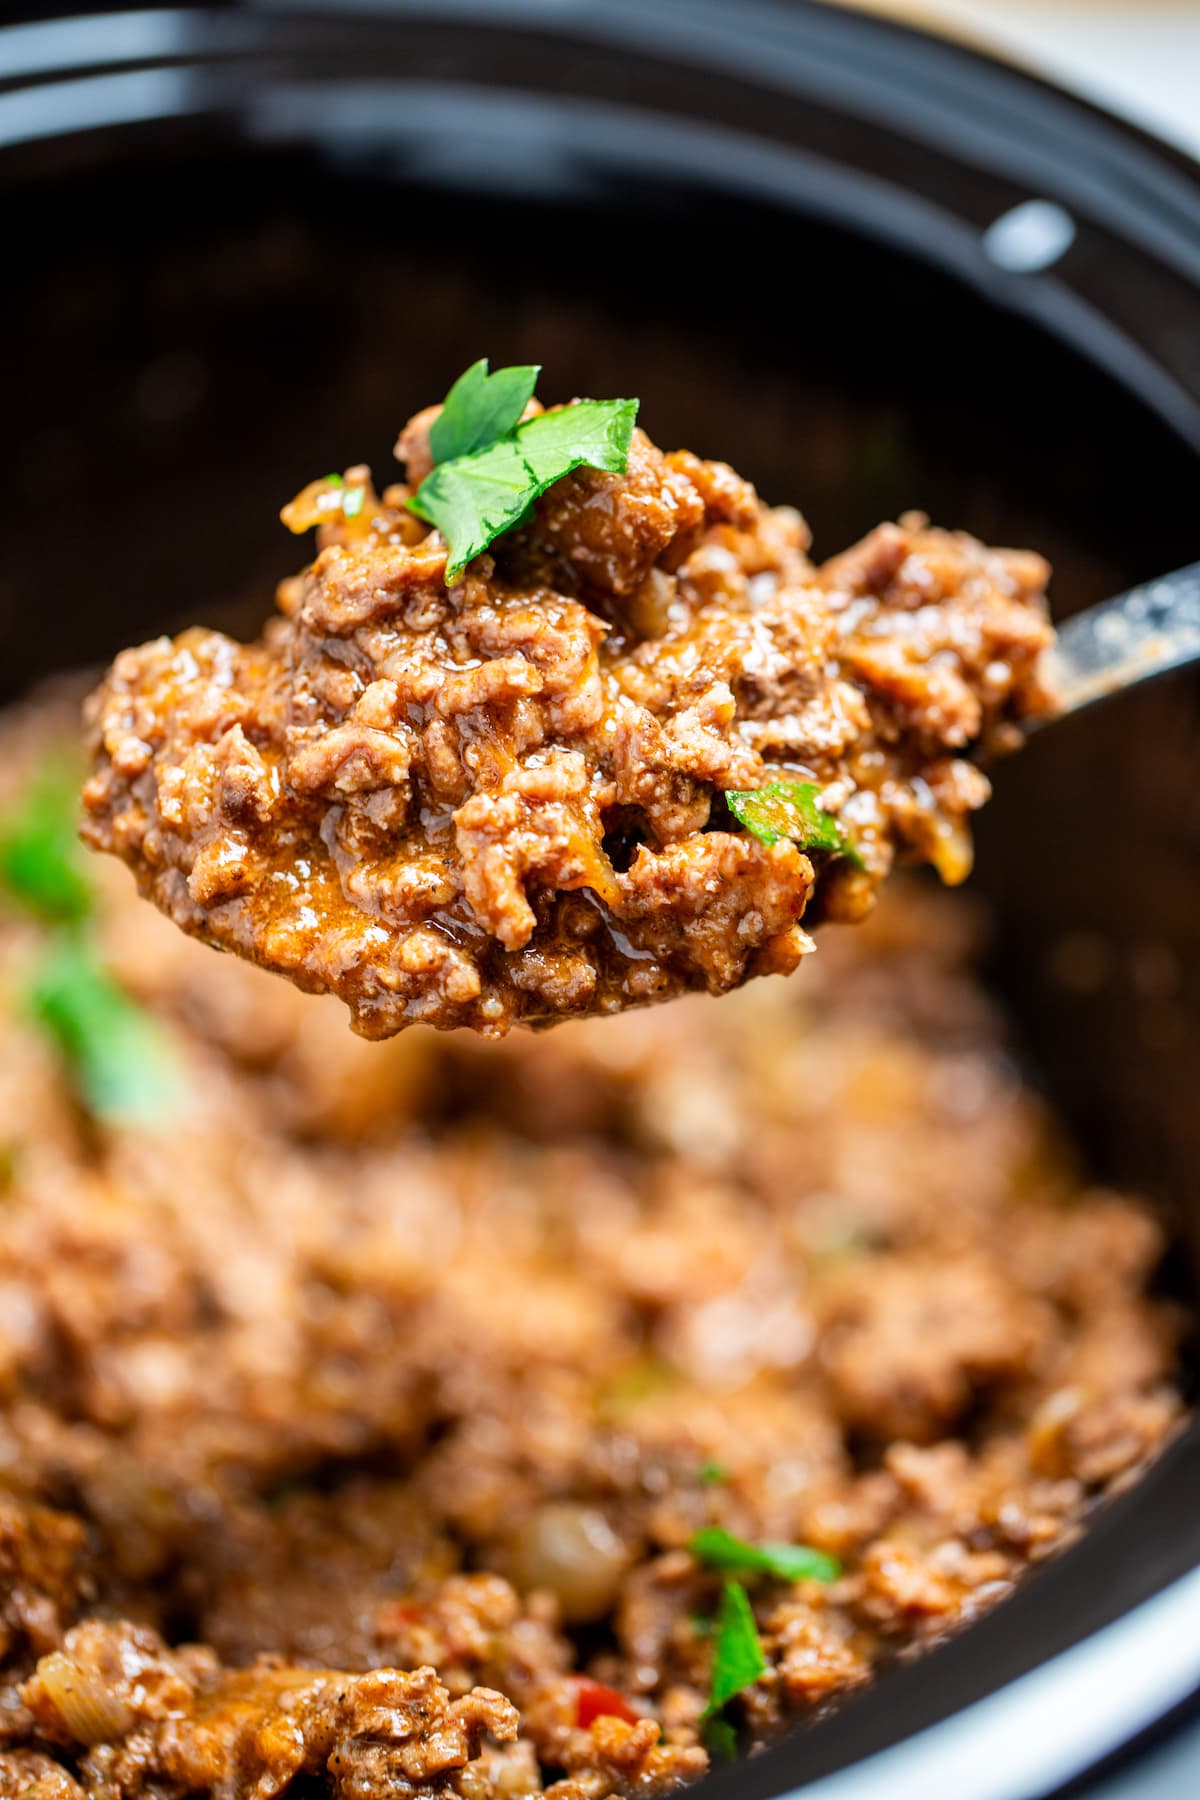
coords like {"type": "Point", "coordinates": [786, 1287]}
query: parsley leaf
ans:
{"type": "Point", "coordinates": [41, 863]}
{"type": "Point", "coordinates": [786, 1562]}
{"type": "Point", "coordinates": [476, 495]}
{"type": "Point", "coordinates": [116, 1054]}
{"type": "Point", "coordinates": [738, 1658]}
{"type": "Point", "coordinates": [648, 1378]}
{"type": "Point", "coordinates": [591, 434]}
{"type": "Point", "coordinates": [481, 408]}
{"type": "Point", "coordinates": [721, 1739]}
{"type": "Point", "coordinates": [791, 809]}
{"type": "Point", "coordinates": [473, 500]}
{"type": "Point", "coordinates": [115, 1051]}
{"type": "Point", "coordinates": [712, 1474]}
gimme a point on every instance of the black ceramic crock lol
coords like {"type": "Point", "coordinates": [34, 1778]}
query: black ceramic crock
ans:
{"type": "Point", "coordinates": [872, 269]}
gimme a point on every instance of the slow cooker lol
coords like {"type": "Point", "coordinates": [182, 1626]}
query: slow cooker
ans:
{"type": "Point", "coordinates": [875, 270]}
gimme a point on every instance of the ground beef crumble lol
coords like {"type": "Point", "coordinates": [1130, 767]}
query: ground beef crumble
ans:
{"type": "Point", "coordinates": [143, 1715]}
{"type": "Point", "coordinates": [355, 1417]}
{"type": "Point", "coordinates": [503, 802]}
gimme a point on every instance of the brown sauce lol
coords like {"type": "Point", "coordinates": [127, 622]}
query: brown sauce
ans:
{"type": "Point", "coordinates": [367, 1400]}
{"type": "Point", "coordinates": [502, 801]}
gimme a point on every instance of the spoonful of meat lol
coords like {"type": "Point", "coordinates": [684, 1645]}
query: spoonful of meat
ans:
{"type": "Point", "coordinates": [563, 724]}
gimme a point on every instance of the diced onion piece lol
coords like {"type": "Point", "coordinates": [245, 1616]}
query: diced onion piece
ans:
{"type": "Point", "coordinates": [90, 1712]}
{"type": "Point", "coordinates": [573, 1551]}
{"type": "Point", "coordinates": [315, 504]}
{"type": "Point", "coordinates": [951, 850]}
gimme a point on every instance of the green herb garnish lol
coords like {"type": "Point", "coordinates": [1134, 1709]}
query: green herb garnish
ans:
{"type": "Point", "coordinates": [41, 863]}
{"type": "Point", "coordinates": [480, 408]}
{"type": "Point", "coordinates": [352, 499]}
{"type": "Point", "coordinates": [791, 809]}
{"type": "Point", "coordinates": [738, 1658]}
{"type": "Point", "coordinates": [721, 1739]}
{"type": "Point", "coordinates": [476, 495]}
{"type": "Point", "coordinates": [626, 1389]}
{"type": "Point", "coordinates": [786, 1562]}
{"type": "Point", "coordinates": [738, 1661]}
{"type": "Point", "coordinates": [712, 1474]}
{"type": "Point", "coordinates": [115, 1051]}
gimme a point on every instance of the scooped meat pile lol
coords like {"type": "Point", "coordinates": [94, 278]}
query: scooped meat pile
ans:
{"type": "Point", "coordinates": [502, 801]}
{"type": "Point", "coordinates": [360, 1409]}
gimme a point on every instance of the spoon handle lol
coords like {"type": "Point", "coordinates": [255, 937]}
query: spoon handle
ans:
{"type": "Point", "coordinates": [1146, 632]}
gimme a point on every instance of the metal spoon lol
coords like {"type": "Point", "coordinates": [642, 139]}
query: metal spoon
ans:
{"type": "Point", "coordinates": [1146, 632]}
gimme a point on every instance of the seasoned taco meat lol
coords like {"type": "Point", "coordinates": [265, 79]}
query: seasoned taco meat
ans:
{"type": "Point", "coordinates": [360, 1405]}
{"type": "Point", "coordinates": [502, 801]}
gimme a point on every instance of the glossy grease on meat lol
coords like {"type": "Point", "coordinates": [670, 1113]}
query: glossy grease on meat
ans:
{"type": "Point", "coordinates": [501, 802]}
{"type": "Point", "coordinates": [371, 1397]}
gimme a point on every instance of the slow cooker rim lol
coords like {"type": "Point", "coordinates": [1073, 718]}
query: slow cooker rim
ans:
{"type": "Point", "coordinates": [1120, 186]}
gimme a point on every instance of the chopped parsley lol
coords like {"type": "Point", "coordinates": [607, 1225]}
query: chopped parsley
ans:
{"type": "Point", "coordinates": [721, 1739]}
{"type": "Point", "coordinates": [115, 1052]}
{"type": "Point", "coordinates": [41, 863]}
{"type": "Point", "coordinates": [791, 809]}
{"type": "Point", "coordinates": [738, 1658]}
{"type": "Point", "coordinates": [719, 1549]}
{"type": "Point", "coordinates": [321, 502]}
{"type": "Point", "coordinates": [480, 408]}
{"type": "Point", "coordinates": [738, 1661]}
{"type": "Point", "coordinates": [712, 1474]}
{"type": "Point", "coordinates": [498, 467]}
{"type": "Point", "coordinates": [622, 1392]}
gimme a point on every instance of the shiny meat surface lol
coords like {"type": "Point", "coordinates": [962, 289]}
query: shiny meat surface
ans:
{"type": "Point", "coordinates": [360, 1409]}
{"type": "Point", "coordinates": [503, 802]}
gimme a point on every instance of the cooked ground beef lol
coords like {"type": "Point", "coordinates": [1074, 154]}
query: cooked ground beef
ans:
{"type": "Point", "coordinates": [357, 1413]}
{"type": "Point", "coordinates": [502, 802]}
